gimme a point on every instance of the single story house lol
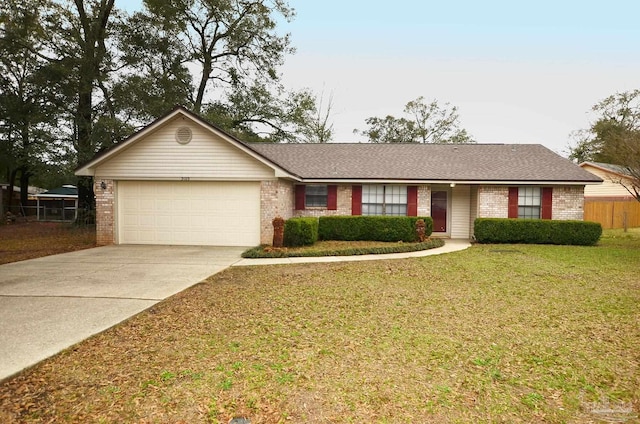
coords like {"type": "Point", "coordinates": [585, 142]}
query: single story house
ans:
{"type": "Point", "coordinates": [610, 203]}
{"type": "Point", "coordinates": [181, 180]}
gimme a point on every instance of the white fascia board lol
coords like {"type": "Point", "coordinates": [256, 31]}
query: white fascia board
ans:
{"type": "Point", "coordinates": [213, 179]}
{"type": "Point", "coordinates": [601, 168]}
{"type": "Point", "coordinates": [280, 172]}
{"type": "Point", "coordinates": [88, 170]}
{"type": "Point", "coordinates": [440, 182]}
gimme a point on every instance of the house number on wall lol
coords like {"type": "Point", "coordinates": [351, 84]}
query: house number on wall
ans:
{"type": "Point", "coordinates": [185, 178]}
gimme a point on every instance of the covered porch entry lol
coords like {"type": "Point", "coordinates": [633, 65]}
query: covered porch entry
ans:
{"type": "Point", "coordinates": [453, 209]}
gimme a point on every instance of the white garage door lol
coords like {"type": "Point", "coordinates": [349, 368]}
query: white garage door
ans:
{"type": "Point", "coordinates": [189, 213]}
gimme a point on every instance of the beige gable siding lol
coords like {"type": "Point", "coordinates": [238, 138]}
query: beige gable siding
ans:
{"type": "Point", "coordinates": [608, 188]}
{"type": "Point", "coordinates": [205, 157]}
{"type": "Point", "coordinates": [460, 212]}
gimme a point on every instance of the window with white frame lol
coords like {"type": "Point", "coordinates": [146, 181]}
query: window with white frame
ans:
{"type": "Point", "coordinates": [379, 199]}
{"type": "Point", "coordinates": [529, 202]}
{"type": "Point", "coordinates": [315, 196]}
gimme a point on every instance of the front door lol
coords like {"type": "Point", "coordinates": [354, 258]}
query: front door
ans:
{"type": "Point", "coordinates": [439, 211]}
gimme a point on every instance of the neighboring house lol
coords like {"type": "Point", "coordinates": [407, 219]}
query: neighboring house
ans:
{"type": "Point", "coordinates": [13, 199]}
{"type": "Point", "coordinates": [58, 204]}
{"type": "Point", "coordinates": [181, 180]}
{"type": "Point", "coordinates": [610, 203]}
{"type": "Point", "coordinates": [614, 180]}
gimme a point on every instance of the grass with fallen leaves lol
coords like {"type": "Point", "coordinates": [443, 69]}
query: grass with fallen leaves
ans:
{"type": "Point", "coordinates": [495, 333]}
{"type": "Point", "coordinates": [29, 240]}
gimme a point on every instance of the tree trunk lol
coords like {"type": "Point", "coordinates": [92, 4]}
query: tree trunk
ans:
{"type": "Point", "coordinates": [84, 143]}
{"type": "Point", "coordinates": [24, 188]}
{"type": "Point", "coordinates": [204, 78]}
{"type": "Point", "coordinates": [12, 179]}
{"type": "Point", "coordinates": [92, 53]}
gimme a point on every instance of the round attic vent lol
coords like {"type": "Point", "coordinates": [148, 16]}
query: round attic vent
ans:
{"type": "Point", "coordinates": [183, 135]}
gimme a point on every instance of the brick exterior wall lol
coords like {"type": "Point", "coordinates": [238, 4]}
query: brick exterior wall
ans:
{"type": "Point", "coordinates": [343, 204]}
{"type": "Point", "coordinates": [493, 202]}
{"type": "Point", "coordinates": [105, 213]}
{"type": "Point", "coordinates": [568, 203]}
{"type": "Point", "coordinates": [424, 200]}
{"type": "Point", "coordinates": [276, 199]}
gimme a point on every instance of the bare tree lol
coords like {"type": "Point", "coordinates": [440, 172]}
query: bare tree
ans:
{"type": "Point", "coordinates": [427, 122]}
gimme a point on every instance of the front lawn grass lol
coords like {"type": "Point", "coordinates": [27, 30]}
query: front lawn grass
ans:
{"type": "Point", "coordinates": [495, 333]}
{"type": "Point", "coordinates": [619, 238]}
{"type": "Point", "coordinates": [30, 240]}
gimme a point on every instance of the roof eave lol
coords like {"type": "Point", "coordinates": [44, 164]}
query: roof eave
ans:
{"type": "Point", "coordinates": [602, 168]}
{"type": "Point", "coordinates": [89, 168]}
{"type": "Point", "coordinates": [57, 196]}
{"type": "Point", "coordinates": [445, 181]}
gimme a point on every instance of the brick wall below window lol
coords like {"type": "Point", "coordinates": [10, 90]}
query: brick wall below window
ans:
{"type": "Point", "coordinates": [568, 202]}
{"type": "Point", "coordinates": [343, 205]}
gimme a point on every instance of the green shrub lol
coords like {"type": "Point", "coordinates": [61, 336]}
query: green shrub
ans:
{"type": "Point", "coordinates": [536, 231]}
{"type": "Point", "coordinates": [300, 231]}
{"type": "Point", "coordinates": [371, 228]}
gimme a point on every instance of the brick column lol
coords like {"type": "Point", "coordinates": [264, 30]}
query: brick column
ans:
{"type": "Point", "coordinates": [105, 219]}
{"type": "Point", "coordinates": [276, 199]}
{"type": "Point", "coordinates": [424, 200]}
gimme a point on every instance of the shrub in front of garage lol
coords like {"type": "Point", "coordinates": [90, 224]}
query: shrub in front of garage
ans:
{"type": "Point", "coordinates": [300, 232]}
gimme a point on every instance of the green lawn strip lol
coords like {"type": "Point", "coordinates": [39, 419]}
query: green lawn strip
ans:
{"type": "Point", "coordinates": [345, 248]}
{"type": "Point", "coordinates": [629, 239]}
{"type": "Point", "coordinates": [495, 333]}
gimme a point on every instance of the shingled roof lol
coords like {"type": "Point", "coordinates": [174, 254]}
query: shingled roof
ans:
{"type": "Point", "coordinates": [424, 162]}
{"type": "Point", "coordinates": [616, 169]}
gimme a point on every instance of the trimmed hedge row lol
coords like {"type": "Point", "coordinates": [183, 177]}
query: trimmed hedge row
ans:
{"type": "Point", "coordinates": [306, 231]}
{"type": "Point", "coordinates": [536, 231]}
{"type": "Point", "coordinates": [300, 231]}
{"type": "Point", "coordinates": [372, 228]}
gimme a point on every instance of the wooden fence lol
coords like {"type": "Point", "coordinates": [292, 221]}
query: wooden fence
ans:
{"type": "Point", "coordinates": [613, 214]}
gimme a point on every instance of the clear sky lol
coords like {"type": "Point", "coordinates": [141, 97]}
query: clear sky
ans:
{"type": "Point", "coordinates": [519, 72]}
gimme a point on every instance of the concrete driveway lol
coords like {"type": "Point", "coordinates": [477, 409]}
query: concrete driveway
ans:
{"type": "Point", "coordinates": [51, 303]}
